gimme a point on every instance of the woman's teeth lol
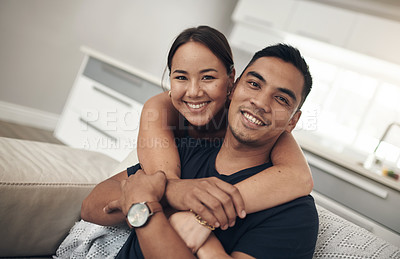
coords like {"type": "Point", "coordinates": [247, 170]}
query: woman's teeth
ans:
{"type": "Point", "coordinates": [252, 119]}
{"type": "Point", "coordinates": [196, 106]}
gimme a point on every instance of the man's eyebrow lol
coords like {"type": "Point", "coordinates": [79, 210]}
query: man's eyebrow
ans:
{"type": "Point", "coordinates": [288, 92]}
{"type": "Point", "coordinates": [257, 75]}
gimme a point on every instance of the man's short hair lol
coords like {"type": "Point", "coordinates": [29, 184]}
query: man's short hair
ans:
{"type": "Point", "coordinates": [288, 54]}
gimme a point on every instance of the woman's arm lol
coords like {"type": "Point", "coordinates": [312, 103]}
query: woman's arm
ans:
{"type": "Point", "coordinates": [156, 145]}
{"type": "Point", "coordinates": [288, 179]}
{"type": "Point", "coordinates": [157, 151]}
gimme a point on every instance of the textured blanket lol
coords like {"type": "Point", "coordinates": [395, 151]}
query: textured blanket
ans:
{"type": "Point", "coordinates": [337, 238]}
{"type": "Point", "coordinates": [88, 240]}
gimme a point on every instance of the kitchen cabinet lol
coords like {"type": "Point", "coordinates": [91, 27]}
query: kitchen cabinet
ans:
{"type": "Point", "coordinates": [266, 13]}
{"type": "Point", "coordinates": [249, 39]}
{"type": "Point", "coordinates": [378, 205]}
{"type": "Point", "coordinates": [321, 22]}
{"type": "Point", "coordinates": [103, 109]}
{"type": "Point", "coordinates": [377, 37]}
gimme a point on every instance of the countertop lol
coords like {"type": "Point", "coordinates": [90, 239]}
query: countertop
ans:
{"type": "Point", "coordinates": [351, 162]}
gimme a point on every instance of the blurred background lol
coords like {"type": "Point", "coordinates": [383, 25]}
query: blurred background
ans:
{"type": "Point", "coordinates": [350, 125]}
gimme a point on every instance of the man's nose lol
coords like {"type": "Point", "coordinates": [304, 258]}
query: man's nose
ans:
{"type": "Point", "coordinates": [261, 102]}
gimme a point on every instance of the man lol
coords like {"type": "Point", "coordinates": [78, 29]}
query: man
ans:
{"type": "Point", "coordinates": [264, 104]}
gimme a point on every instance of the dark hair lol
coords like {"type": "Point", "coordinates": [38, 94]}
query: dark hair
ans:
{"type": "Point", "coordinates": [288, 54]}
{"type": "Point", "coordinates": [209, 37]}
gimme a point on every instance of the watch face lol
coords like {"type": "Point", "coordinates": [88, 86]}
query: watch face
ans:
{"type": "Point", "coordinates": [138, 214]}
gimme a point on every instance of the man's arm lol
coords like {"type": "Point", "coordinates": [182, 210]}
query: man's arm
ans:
{"type": "Point", "coordinates": [157, 238]}
{"type": "Point", "coordinates": [92, 209]}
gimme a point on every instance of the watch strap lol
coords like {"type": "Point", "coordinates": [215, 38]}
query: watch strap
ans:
{"type": "Point", "coordinates": [154, 207]}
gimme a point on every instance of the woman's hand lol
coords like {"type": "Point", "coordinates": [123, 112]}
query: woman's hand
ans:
{"type": "Point", "coordinates": [192, 233]}
{"type": "Point", "coordinates": [217, 202]}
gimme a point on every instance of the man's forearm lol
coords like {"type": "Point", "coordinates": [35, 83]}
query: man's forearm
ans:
{"type": "Point", "coordinates": [93, 206]}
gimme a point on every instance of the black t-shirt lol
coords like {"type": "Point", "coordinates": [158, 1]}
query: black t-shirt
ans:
{"type": "Point", "coordinates": [285, 231]}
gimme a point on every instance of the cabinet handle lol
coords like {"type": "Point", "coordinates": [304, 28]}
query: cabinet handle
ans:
{"type": "Point", "coordinates": [330, 169]}
{"type": "Point", "coordinates": [111, 96]}
{"type": "Point", "coordinates": [91, 125]}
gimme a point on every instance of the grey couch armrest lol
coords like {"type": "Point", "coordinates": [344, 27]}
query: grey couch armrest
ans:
{"type": "Point", "coordinates": [41, 190]}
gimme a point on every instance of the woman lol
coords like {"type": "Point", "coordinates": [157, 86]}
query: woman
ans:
{"type": "Point", "coordinates": [202, 76]}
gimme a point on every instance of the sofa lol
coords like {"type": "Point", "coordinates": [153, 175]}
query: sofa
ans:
{"type": "Point", "coordinates": [42, 186]}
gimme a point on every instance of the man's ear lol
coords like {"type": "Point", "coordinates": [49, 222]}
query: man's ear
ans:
{"type": "Point", "coordinates": [233, 89]}
{"type": "Point", "coordinates": [293, 121]}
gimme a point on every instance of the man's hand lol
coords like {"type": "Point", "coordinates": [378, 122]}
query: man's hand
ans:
{"type": "Point", "coordinates": [216, 201]}
{"type": "Point", "coordinates": [189, 229]}
{"type": "Point", "coordinates": [139, 187]}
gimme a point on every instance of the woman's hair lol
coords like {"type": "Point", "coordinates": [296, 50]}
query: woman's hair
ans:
{"type": "Point", "coordinates": [209, 37]}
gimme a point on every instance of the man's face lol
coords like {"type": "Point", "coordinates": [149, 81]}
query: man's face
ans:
{"type": "Point", "coordinates": [265, 101]}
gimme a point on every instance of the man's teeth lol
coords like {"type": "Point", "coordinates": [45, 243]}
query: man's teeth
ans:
{"type": "Point", "coordinates": [196, 106]}
{"type": "Point", "coordinates": [252, 119]}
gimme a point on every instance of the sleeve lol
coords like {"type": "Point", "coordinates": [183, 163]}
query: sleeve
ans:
{"type": "Point", "coordinates": [291, 233]}
{"type": "Point", "coordinates": [133, 169]}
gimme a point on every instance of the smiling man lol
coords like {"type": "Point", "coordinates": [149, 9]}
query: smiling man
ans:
{"type": "Point", "coordinates": [265, 103]}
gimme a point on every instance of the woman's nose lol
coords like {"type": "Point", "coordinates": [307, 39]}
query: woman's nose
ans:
{"type": "Point", "coordinates": [194, 89]}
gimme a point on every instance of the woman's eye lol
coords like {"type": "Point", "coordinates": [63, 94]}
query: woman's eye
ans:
{"type": "Point", "coordinates": [180, 77]}
{"type": "Point", "coordinates": [208, 77]}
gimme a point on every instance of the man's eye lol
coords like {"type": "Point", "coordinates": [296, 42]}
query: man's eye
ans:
{"type": "Point", "coordinates": [283, 100]}
{"type": "Point", "coordinates": [254, 84]}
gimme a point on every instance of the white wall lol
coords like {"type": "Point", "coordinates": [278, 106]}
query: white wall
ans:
{"type": "Point", "coordinates": [40, 40]}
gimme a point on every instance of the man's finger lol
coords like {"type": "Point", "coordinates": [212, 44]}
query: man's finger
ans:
{"type": "Point", "coordinates": [112, 206]}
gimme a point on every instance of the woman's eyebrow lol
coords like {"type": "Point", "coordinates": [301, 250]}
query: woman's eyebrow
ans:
{"type": "Point", "coordinates": [208, 70]}
{"type": "Point", "coordinates": [179, 71]}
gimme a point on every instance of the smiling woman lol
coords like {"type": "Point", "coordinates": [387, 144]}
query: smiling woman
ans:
{"type": "Point", "coordinates": [199, 85]}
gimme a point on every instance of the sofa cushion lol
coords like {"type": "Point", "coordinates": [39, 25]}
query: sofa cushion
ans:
{"type": "Point", "coordinates": [339, 238]}
{"type": "Point", "coordinates": [42, 186]}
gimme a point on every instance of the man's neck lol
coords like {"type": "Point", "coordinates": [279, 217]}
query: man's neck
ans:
{"type": "Point", "coordinates": [235, 156]}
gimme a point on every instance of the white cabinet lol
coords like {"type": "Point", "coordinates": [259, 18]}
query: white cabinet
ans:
{"type": "Point", "coordinates": [335, 26]}
{"type": "Point", "coordinates": [322, 22]}
{"type": "Point", "coordinates": [267, 13]}
{"type": "Point", "coordinates": [249, 39]}
{"type": "Point", "coordinates": [376, 37]}
{"type": "Point", "coordinates": [103, 109]}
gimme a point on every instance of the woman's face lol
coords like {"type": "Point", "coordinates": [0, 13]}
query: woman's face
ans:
{"type": "Point", "coordinates": [199, 83]}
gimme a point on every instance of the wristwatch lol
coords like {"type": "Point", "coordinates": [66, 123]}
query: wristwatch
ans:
{"type": "Point", "coordinates": [139, 213]}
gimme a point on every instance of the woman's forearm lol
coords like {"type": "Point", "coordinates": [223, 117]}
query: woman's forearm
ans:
{"type": "Point", "coordinates": [288, 179]}
{"type": "Point", "coordinates": [156, 145]}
